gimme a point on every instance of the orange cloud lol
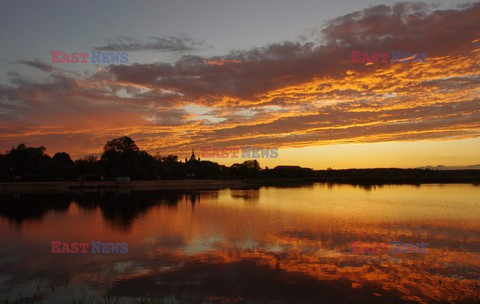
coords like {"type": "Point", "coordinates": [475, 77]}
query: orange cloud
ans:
{"type": "Point", "coordinates": [289, 94]}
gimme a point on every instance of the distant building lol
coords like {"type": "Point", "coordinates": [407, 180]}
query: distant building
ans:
{"type": "Point", "coordinates": [192, 158]}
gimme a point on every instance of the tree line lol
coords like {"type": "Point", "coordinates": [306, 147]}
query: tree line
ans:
{"type": "Point", "coordinates": [121, 157]}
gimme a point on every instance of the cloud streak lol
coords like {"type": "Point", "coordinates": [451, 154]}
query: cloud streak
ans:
{"type": "Point", "coordinates": [181, 43]}
{"type": "Point", "coordinates": [38, 64]}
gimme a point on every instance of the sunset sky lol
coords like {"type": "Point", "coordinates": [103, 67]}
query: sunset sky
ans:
{"type": "Point", "coordinates": [270, 73]}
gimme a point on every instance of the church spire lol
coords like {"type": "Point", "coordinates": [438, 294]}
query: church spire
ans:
{"type": "Point", "coordinates": [192, 158]}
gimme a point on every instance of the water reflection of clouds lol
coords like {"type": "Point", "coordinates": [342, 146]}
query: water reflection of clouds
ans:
{"type": "Point", "coordinates": [289, 243]}
{"type": "Point", "coordinates": [247, 244]}
{"type": "Point", "coordinates": [203, 244]}
{"type": "Point", "coordinates": [167, 242]}
{"type": "Point", "coordinates": [123, 266]}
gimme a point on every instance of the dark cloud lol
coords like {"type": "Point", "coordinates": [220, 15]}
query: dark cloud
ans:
{"type": "Point", "coordinates": [181, 43]}
{"type": "Point", "coordinates": [409, 27]}
{"type": "Point", "coordinates": [406, 26]}
{"type": "Point", "coordinates": [36, 63]}
{"type": "Point", "coordinates": [243, 74]}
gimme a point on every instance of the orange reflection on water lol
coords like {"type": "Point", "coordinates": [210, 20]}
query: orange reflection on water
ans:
{"type": "Point", "coordinates": [297, 240]}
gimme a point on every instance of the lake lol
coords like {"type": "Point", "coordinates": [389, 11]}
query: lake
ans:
{"type": "Point", "coordinates": [265, 245]}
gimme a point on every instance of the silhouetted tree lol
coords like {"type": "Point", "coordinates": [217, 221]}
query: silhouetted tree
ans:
{"type": "Point", "coordinates": [63, 166]}
{"type": "Point", "coordinates": [247, 169]}
{"type": "Point", "coordinates": [146, 166]}
{"type": "Point", "coordinates": [3, 168]}
{"type": "Point", "coordinates": [63, 158]}
{"type": "Point", "coordinates": [89, 165]}
{"type": "Point", "coordinates": [121, 144]}
{"type": "Point", "coordinates": [170, 168]}
{"type": "Point", "coordinates": [28, 163]}
{"type": "Point", "coordinates": [120, 157]}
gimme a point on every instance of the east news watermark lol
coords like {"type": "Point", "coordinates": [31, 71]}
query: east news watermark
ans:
{"type": "Point", "coordinates": [94, 56]}
{"type": "Point", "coordinates": [234, 152]}
{"type": "Point", "coordinates": [97, 247]}
{"type": "Point", "coordinates": [392, 57]}
{"type": "Point", "coordinates": [382, 248]}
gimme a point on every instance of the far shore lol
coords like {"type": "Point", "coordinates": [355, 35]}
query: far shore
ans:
{"type": "Point", "coordinates": [190, 184]}
{"type": "Point", "coordinates": [195, 184]}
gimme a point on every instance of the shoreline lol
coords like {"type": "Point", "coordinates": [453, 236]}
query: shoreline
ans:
{"type": "Point", "coordinates": [69, 186]}
{"type": "Point", "coordinates": [191, 184]}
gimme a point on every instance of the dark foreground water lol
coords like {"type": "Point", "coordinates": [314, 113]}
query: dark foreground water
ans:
{"type": "Point", "coordinates": [267, 245]}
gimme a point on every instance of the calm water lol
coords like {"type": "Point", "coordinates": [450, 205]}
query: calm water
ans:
{"type": "Point", "coordinates": [267, 245]}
